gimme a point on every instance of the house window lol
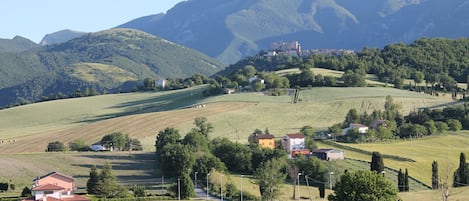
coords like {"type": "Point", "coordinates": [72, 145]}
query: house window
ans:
{"type": "Point", "coordinates": [48, 192]}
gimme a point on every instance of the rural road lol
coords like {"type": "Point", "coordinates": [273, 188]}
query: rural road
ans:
{"type": "Point", "coordinates": [201, 194]}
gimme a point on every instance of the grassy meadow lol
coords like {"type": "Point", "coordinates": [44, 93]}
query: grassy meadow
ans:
{"type": "Point", "coordinates": [26, 130]}
{"type": "Point", "coordinates": [444, 149]}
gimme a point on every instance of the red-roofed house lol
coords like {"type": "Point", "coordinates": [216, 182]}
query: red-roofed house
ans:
{"type": "Point", "coordinates": [294, 143]}
{"type": "Point", "coordinates": [55, 187]}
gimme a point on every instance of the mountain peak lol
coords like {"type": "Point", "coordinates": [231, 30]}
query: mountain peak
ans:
{"type": "Point", "coordinates": [60, 37]}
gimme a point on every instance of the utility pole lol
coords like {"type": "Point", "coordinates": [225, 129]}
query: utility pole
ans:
{"type": "Point", "coordinates": [298, 180]}
{"type": "Point", "coordinates": [241, 187]}
{"type": "Point", "coordinates": [208, 174]}
{"type": "Point", "coordinates": [195, 179]}
{"type": "Point", "coordinates": [179, 189]}
{"type": "Point", "coordinates": [221, 187]}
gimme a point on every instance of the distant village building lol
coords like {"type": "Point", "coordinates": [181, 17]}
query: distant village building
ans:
{"type": "Point", "coordinates": [161, 83]}
{"type": "Point", "coordinates": [292, 48]}
{"type": "Point", "coordinates": [55, 186]}
{"type": "Point", "coordinates": [266, 141]}
{"type": "Point", "coordinates": [329, 154]}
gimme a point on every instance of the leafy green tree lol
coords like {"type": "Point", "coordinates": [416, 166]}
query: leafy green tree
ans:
{"type": "Point", "coordinates": [138, 190]}
{"type": "Point", "coordinates": [92, 183]}
{"type": "Point", "coordinates": [55, 146]}
{"type": "Point", "coordinates": [435, 182]}
{"type": "Point", "coordinates": [269, 176]}
{"type": "Point", "coordinates": [176, 160]}
{"type": "Point", "coordinates": [78, 145]}
{"type": "Point", "coordinates": [353, 79]}
{"type": "Point", "coordinates": [363, 185]}
{"type": "Point", "coordinates": [115, 140]}
{"type": "Point", "coordinates": [237, 157]}
{"type": "Point", "coordinates": [454, 125]}
{"type": "Point", "coordinates": [107, 185]}
{"type": "Point", "coordinates": [377, 164]}
{"type": "Point", "coordinates": [196, 141]}
{"type": "Point", "coordinates": [203, 126]}
{"type": "Point", "coordinates": [257, 85]}
{"type": "Point", "coordinates": [166, 137]}
{"type": "Point", "coordinates": [208, 162]}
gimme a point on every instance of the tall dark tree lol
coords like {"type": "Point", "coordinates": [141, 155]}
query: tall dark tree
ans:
{"type": "Point", "coordinates": [406, 181]}
{"type": "Point", "coordinates": [377, 164]}
{"type": "Point", "coordinates": [55, 146]}
{"type": "Point", "coordinates": [435, 175]}
{"type": "Point", "coordinates": [400, 181]}
{"type": "Point", "coordinates": [92, 183]}
{"type": "Point", "coordinates": [26, 192]}
{"type": "Point", "coordinates": [461, 174]}
{"type": "Point", "coordinates": [186, 187]}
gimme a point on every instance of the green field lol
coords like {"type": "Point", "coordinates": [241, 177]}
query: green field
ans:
{"type": "Point", "coordinates": [443, 149]}
{"type": "Point", "coordinates": [27, 130]}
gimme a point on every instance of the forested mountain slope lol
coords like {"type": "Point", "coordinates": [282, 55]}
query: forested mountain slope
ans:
{"type": "Point", "coordinates": [104, 61]}
{"type": "Point", "coordinates": [231, 30]}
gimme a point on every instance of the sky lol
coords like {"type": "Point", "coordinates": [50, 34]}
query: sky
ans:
{"type": "Point", "coordinates": [33, 19]}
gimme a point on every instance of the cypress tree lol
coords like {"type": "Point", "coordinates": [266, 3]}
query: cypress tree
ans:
{"type": "Point", "coordinates": [460, 176]}
{"type": "Point", "coordinates": [377, 163]}
{"type": "Point", "coordinates": [400, 181]}
{"type": "Point", "coordinates": [435, 175]}
{"type": "Point", "coordinates": [92, 184]}
{"type": "Point", "coordinates": [406, 181]}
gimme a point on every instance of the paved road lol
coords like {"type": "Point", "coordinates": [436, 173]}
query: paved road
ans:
{"type": "Point", "coordinates": [201, 194]}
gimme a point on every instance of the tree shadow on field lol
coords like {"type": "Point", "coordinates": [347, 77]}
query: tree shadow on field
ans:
{"type": "Point", "coordinates": [170, 100]}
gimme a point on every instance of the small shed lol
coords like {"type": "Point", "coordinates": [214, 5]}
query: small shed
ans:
{"type": "Point", "coordinates": [329, 154]}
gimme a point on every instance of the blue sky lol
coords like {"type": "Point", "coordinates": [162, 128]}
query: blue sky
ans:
{"type": "Point", "coordinates": [35, 18]}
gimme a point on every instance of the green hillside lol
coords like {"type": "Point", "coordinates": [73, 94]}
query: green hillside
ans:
{"type": "Point", "coordinates": [17, 44]}
{"type": "Point", "coordinates": [106, 61]}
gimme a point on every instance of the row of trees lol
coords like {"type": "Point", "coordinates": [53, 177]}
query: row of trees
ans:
{"type": "Point", "coordinates": [180, 157]}
{"type": "Point", "coordinates": [116, 140]}
{"type": "Point", "coordinates": [437, 62]}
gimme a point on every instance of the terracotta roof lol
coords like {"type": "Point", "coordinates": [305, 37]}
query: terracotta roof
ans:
{"type": "Point", "coordinates": [298, 135]}
{"type": "Point", "coordinates": [62, 176]}
{"type": "Point", "coordinates": [267, 136]}
{"type": "Point", "coordinates": [47, 187]}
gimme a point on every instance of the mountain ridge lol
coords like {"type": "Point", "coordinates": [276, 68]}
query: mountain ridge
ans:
{"type": "Point", "coordinates": [107, 61]}
{"type": "Point", "coordinates": [232, 30]}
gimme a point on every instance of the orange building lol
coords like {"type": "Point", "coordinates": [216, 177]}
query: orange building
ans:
{"type": "Point", "coordinates": [266, 141]}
